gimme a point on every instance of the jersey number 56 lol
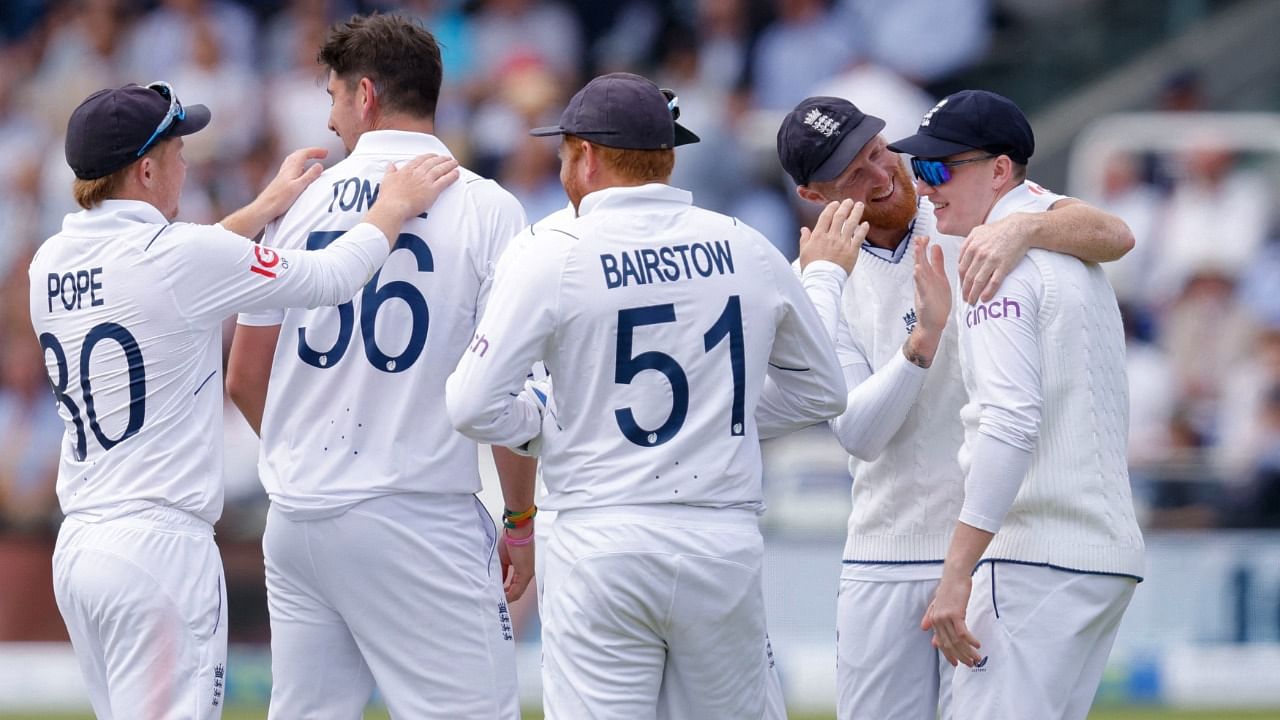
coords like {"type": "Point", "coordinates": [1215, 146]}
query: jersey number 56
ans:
{"type": "Point", "coordinates": [372, 298]}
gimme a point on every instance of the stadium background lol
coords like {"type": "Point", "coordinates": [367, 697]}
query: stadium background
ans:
{"type": "Point", "coordinates": [1161, 111]}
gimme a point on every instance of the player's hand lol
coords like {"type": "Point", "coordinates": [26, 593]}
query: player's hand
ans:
{"type": "Point", "coordinates": [537, 394]}
{"type": "Point", "coordinates": [933, 288]}
{"type": "Point", "coordinates": [412, 188]}
{"type": "Point", "coordinates": [517, 565]}
{"type": "Point", "coordinates": [945, 617]}
{"type": "Point", "coordinates": [836, 237]}
{"type": "Point", "coordinates": [989, 253]}
{"type": "Point", "coordinates": [298, 171]}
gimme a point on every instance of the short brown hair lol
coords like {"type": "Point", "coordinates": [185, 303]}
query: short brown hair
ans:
{"type": "Point", "coordinates": [641, 165]}
{"type": "Point", "coordinates": [397, 53]}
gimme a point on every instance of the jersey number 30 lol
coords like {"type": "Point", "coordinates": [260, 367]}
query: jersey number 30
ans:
{"type": "Point", "coordinates": [372, 298]}
{"type": "Point", "coordinates": [137, 385]}
{"type": "Point", "coordinates": [627, 366]}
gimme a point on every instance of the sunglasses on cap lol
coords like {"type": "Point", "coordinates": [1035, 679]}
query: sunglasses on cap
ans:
{"type": "Point", "coordinates": [673, 102]}
{"type": "Point", "coordinates": [937, 172]}
{"type": "Point", "coordinates": [175, 112]}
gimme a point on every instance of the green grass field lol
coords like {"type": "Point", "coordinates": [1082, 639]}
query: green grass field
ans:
{"type": "Point", "coordinates": [1109, 714]}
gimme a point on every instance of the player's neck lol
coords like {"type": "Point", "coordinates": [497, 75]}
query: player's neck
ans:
{"type": "Point", "coordinates": [887, 238]}
{"type": "Point", "coordinates": [405, 123]}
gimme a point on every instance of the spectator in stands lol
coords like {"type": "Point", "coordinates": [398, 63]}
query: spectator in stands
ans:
{"type": "Point", "coordinates": [30, 432]}
{"type": "Point", "coordinates": [504, 29]}
{"type": "Point", "coordinates": [1217, 216]}
{"type": "Point", "coordinates": [86, 51]}
{"type": "Point", "coordinates": [1141, 205]}
{"type": "Point", "coordinates": [1204, 331]}
{"type": "Point", "coordinates": [923, 40]}
{"type": "Point", "coordinates": [162, 39]}
{"type": "Point", "coordinates": [806, 41]}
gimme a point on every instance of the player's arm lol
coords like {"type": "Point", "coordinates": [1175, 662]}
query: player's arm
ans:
{"type": "Point", "coordinates": [483, 395]}
{"type": "Point", "coordinates": [516, 475]}
{"type": "Point", "coordinates": [828, 254]}
{"type": "Point", "coordinates": [1003, 356]}
{"type": "Point", "coordinates": [1071, 227]}
{"type": "Point", "coordinates": [224, 273]}
{"type": "Point", "coordinates": [249, 370]}
{"type": "Point", "coordinates": [880, 401]}
{"type": "Point", "coordinates": [804, 383]}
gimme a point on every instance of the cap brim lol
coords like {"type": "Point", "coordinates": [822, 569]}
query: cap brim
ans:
{"type": "Point", "coordinates": [548, 131]}
{"type": "Point", "coordinates": [197, 117]}
{"type": "Point", "coordinates": [850, 145]}
{"type": "Point", "coordinates": [685, 136]}
{"type": "Point", "coordinates": [928, 146]}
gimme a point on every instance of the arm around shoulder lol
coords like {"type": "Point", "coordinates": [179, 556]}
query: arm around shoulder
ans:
{"type": "Point", "coordinates": [1074, 227]}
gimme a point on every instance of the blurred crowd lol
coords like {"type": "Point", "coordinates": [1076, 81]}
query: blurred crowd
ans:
{"type": "Point", "coordinates": [1202, 289]}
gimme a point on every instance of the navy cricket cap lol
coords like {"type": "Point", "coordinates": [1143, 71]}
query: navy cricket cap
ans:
{"type": "Point", "coordinates": [821, 136]}
{"type": "Point", "coordinates": [971, 120]}
{"type": "Point", "coordinates": [621, 110]}
{"type": "Point", "coordinates": [107, 131]}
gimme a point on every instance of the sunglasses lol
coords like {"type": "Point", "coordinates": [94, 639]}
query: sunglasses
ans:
{"type": "Point", "coordinates": [673, 102]}
{"type": "Point", "coordinates": [937, 172]}
{"type": "Point", "coordinates": [175, 112]}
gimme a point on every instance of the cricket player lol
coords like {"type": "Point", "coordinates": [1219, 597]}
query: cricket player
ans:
{"type": "Point", "coordinates": [381, 564]}
{"type": "Point", "coordinates": [1047, 505]}
{"type": "Point", "coordinates": [659, 323]}
{"type": "Point", "coordinates": [128, 306]}
{"type": "Point", "coordinates": [899, 356]}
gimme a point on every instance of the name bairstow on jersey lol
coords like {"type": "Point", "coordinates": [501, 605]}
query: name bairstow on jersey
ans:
{"type": "Point", "coordinates": [666, 264]}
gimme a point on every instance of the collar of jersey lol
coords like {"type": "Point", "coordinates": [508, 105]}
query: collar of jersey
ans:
{"type": "Point", "coordinates": [900, 251]}
{"type": "Point", "coordinates": [1013, 201]}
{"type": "Point", "coordinates": [111, 217]}
{"type": "Point", "coordinates": [638, 198]}
{"type": "Point", "coordinates": [398, 142]}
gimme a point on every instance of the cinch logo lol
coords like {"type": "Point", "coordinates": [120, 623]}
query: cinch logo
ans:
{"type": "Point", "coordinates": [981, 663]}
{"type": "Point", "coordinates": [267, 258]}
{"type": "Point", "coordinates": [998, 308]}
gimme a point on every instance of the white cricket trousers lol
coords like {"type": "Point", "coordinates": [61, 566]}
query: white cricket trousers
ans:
{"type": "Point", "coordinates": [1045, 636]}
{"type": "Point", "coordinates": [656, 612]}
{"type": "Point", "coordinates": [144, 601]}
{"type": "Point", "coordinates": [403, 591]}
{"type": "Point", "coordinates": [886, 666]}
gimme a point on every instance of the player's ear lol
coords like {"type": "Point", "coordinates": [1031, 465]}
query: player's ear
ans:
{"type": "Point", "coordinates": [809, 194]}
{"type": "Point", "coordinates": [1003, 171]}
{"type": "Point", "coordinates": [591, 159]}
{"type": "Point", "coordinates": [367, 93]}
{"type": "Point", "coordinates": [144, 171]}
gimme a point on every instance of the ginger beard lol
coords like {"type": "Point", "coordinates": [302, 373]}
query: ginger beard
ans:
{"type": "Point", "coordinates": [896, 211]}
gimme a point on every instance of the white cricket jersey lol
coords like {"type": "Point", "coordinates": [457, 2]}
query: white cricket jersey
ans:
{"type": "Point", "coordinates": [129, 311]}
{"type": "Point", "coordinates": [1044, 366]}
{"type": "Point", "coordinates": [355, 404]}
{"type": "Point", "coordinates": [658, 322]}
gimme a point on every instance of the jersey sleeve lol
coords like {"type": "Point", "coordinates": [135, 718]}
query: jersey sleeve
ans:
{"type": "Point", "coordinates": [1000, 342]}
{"type": "Point", "coordinates": [804, 383]}
{"type": "Point", "coordinates": [879, 403]}
{"type": "Point", "coordinates": [823, 284]}
{"type": "Point", "coordinates": [483, 395]}
{"type": "Point", "coordinates": [214, 272]}
{"type": "Point", "coordinates": [270, 316]}
{"type": "Point", "coordinates": [503, 219]}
